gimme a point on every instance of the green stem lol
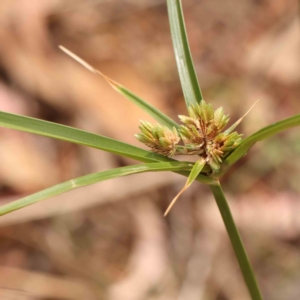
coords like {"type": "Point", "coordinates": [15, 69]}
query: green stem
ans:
{"type": "Point", "coordinates": [236, 242]}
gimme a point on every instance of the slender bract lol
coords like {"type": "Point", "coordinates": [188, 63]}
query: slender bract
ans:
{"type": "Point", "coordinates": [260, 135]}
{"type": "Point", "coordinates": [197, 168]}
{"type": "Point", "coordinates": [151, 110]}
{"type": "Point", "coordinates": [236, 242]}
{"type": "Point", "coordinates": [77, 136]}
{"type": "Point", "coordinates": [91, 179]}
{"type": "Point", "coordinates": [147, 107]}
{"type": "Point", "coordinates": [189, 82]}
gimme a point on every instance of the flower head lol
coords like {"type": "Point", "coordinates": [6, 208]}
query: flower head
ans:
{"type": "Point", "coordinates": [204, 127]}
{"type": "Point", "coordinates": [201, 133]}
{"type": "Point", "coordinates": [159, 138]}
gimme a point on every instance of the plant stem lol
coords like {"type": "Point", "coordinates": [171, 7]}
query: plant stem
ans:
{"type": "Point", "coordinates": [236, 242]}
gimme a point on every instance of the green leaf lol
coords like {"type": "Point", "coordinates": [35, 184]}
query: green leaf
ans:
{"type": "Point", "coordinates": [151, 110]}
{"type": "Point", "coordinates": [90, 179]}
{"type": "Point", "coordinates": [187, 74]}
{"type": "Point", "coordinates": [260, 135]}
{"type": "Point", "coordinates": [197, 168]}
{"type": "Point", "coordinates": [85, 138]}
{"type": "Point", "coordinates": [77, 136]}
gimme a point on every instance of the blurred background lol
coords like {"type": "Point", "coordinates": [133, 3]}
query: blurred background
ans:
{"type": "Point", "coordinates": [110, 240]}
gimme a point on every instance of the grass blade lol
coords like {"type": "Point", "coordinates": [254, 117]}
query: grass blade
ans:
{"type": "Point", "coordinates": [197, 168]}
{"type": "Point", "coordinates": [90, 179]}
{"type": "Point", "coordinates": [260, 135]}
{"type": "Point", "coordinates": [77, 136]}
{"type": "Point", "coordinates": [189, 82]}
{"type": "Point", "coordinates": [151, 110]}
{"type": "Point", "coordinates": [236, 242]}
{"type": "Point", "coordinates": [85, 138]}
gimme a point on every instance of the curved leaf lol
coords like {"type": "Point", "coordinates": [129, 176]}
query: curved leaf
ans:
{"type": "Point", "coordinates": [151, 110]}
{"type": "Point", "coordinates": [90, 179]}
{"type": "Point", "coordinates": [77, 136]}
{"type": "Point", "coordinates": [187, 74]}
{"type": "Point", "coordinates": [260, 135]}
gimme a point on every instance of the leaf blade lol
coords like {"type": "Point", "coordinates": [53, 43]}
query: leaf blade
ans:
{"type": "Point", "coordinates": [77, 136]}
{"type": "Point", "coordinates": [81, 137]}
{"type": "Point", "coordinates": [189, 82]}
{"type": "Point", "coordinates": [91, 179]}
{"type": "Point", "coordinates": [260, 135]}
{"type": "Point", "coordinates": [144, 105]}
{"type": "Point", "coordinates": [151, 110]}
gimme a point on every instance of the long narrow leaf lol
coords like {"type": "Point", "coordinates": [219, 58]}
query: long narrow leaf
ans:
{"type": "Point", "coordinates": [77, 136]}
{"type": "Point", "coordinates": [190, 86]}
{"type": "Point", "coordinates": [151, 110]}
{"type": "Point", "coordinates": [90, 179]}
{"type": "Point", "coordinates": [260, 135]}
{"type": "Point", "coordinates": [82, 137]}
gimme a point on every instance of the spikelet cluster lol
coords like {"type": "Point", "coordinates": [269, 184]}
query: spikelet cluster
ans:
{"type": "Point", "coordinates": [159, 138]}
{"type": "Point", "coordinates": [201, 134]}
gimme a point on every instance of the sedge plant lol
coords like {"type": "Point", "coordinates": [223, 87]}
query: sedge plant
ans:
{"type": "Point", "coordinates": [202, 133]}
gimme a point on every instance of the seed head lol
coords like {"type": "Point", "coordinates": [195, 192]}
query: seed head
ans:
{"type": "Point", "coordinates": [159, 138]}
{"type": "Point", "coordinates": [204, 128]}
{"type": "Point", "coordinates": [201, 133]}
